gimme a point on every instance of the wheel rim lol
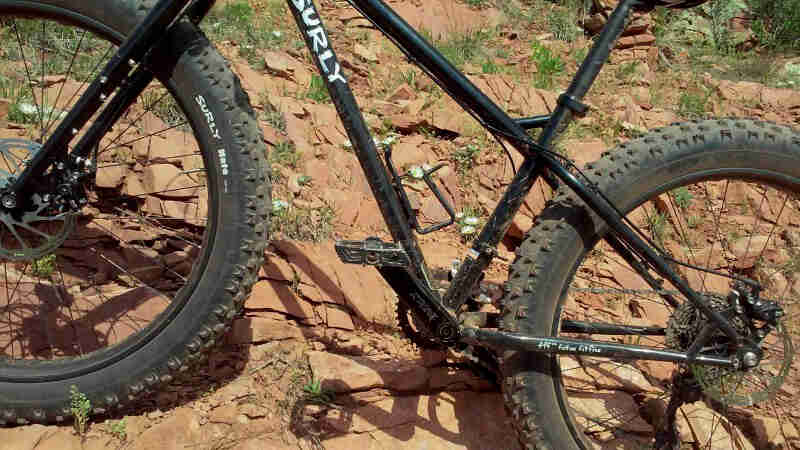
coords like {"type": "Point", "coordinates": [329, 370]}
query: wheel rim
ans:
{"type": "Point", "coordinates": [743, 227]}
{"type": "Point", "coordinates": [138, 247]}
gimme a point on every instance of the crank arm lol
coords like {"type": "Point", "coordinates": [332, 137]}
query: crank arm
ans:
{"type": "Point", "coordinates": [514, 341]}
{"type": "Point", "coordinates": [424, 301]}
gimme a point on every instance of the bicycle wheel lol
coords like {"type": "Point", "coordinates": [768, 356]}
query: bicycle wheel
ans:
{"type": "Point", "coordinates": [722, 195]}
{"type": "Point", "coordinates": [138, 284]}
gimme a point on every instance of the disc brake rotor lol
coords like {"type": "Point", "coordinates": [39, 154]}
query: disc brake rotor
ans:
{"type": "Point", "coordinates": [38, 231]}
{"type": "Point", "coordinates": [729, 386]}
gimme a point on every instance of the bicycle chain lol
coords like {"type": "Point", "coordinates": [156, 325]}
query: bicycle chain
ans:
{"type": "Point", "coordinates": [684, 325]}
{"type": "Point", "coordinates": [418, 333]}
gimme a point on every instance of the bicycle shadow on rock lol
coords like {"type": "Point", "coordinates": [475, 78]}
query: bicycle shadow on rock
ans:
{"type": "Point", "coordinates": [382, 419]}
{"type": "Point", "coordinates": [387, 404]}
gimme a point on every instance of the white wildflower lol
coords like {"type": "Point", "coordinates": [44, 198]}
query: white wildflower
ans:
{"type": "Point", "coordinates": [279, 205]}
{"type": "Point", "coordinates": [277, 33]}
{"type": "Point", "coordinates": [466, 230]}
{"type": "Point", "coordinates": [416, 172]}
{"type": "Point", "coordinates": [470, 220]}
{"type": "Point", "coordinates": [389, 140]}
{"type": "Point", "coordinates": [27, 108]}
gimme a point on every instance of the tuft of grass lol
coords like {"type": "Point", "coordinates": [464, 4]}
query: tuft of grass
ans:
{"type": "Point", "coordinates": [777, 23]}
{"type": "Point", "coordinates": [250, 30]}
{"type": "Point", "coordinates": [317, 90]}
{"type": "Point", "coordinates": [285, 154]}
{"type": "Point", "coordinates": [626, 71]}
{"type": "Point", "coordinates": [314, 391]}
{"type": "Point", "coordinates": [562, 21]}
{"type": "Point", "coordinates": [80, 407]}
{"type": "Point", "coordinates": [464, 47]}
{"type": "Point", "coordinates": [693, 105]}
{"type": "Point", "coordinates": [548, 66]}
{"type": "Point", "coordinates": [303, 224]}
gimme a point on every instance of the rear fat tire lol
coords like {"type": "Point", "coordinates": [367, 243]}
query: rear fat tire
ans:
{"type": "Point", "coordinates": [566, 230]}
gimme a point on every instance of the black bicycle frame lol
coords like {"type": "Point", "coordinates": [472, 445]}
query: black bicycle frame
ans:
{"type": "Point", "coordinates": [413, 284]}
{"type": "Point", "coordinates": [414, 287]}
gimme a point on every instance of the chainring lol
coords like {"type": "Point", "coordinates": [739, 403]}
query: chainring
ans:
{"type": "Point", "coordinates": [415, 329]}
{"type": "Point", "coordinates": [729, 386]}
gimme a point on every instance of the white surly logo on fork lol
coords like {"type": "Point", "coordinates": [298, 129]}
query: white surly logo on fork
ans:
{"type": "Point", "coordinates": [319, 40]}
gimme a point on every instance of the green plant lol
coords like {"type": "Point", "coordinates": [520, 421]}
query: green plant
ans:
{"type": "Point", "coordinates": [469, 222]}
{"type": "Point", "coordinates": [44, 266]}
{"type": "Point", "coordinates": [24, 113]}
{"type": "Point", "coordinates": [720, 14]}
{"type": "Point", "coordinates": [626, 71]}
{"type": "Point", "coordinates": [693, 221]}
{"type": "Point", "coordinates": [118, 429]}
{"type": "Point", "coordinates": [657, 224]}
{"type": "Point", "coordinates": [463, 47]}
{"type": "Point", "coordinates": [561, 21]}
{"type": "Point", "coordinates": [466, 157]}
{"type": "Point", "coordinates": [579, 54]}
{"type": "Point", "coordinates": [284, 153]}
{"type": "Point", "coordinates": [238, 22]}
{"type": "Point", "coordinates": [317, 90]}
{"type": "Point", "coordinates": [682, 197]}
{"type": "Point", "coordinates": [478, 3]}
{"type": "Point", "coordinates": [548, 66]}
{"type": "Point", "coordinates": [275, 118]}
{"type": "Point", "coordinates": [692, 104]}
{"type": "Point", "coordinates": [314, 391]}
{"type": "Point", "coordinates": [303, 224]}
{"type": "Point", "coordinates": [777, 23]}
{"type": "Point", "coordinates": [80, 407]}
{"type": "Point", "coordinates": [489, 66]}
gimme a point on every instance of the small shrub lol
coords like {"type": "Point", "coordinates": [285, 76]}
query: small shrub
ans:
{"type": "Point", "coordinates": [562, 23]}
{"type": "Point", "coordinates": [302, 224]}
{"type": "Point", "coordinates": [317, 90]}
{"type": "Point", "coordinates": [466, 157]}
{"type": "Point", "coordinates": [284, 154]}
{"type": "Point", "coordinates": [80, 407]}
{"type": "Point", "coordinates": [463, 48]}
{"type": "Point", "coordinates": [44, 266]}
{"type": "Point", "coordinates": [118, 429]}
{"type": "Point", "coordinates": [682, 197]}
{"type": "Point", "coordinates": [626, 71]}
{"type": "Point", "coordinates": [478, 3]}
{"type": "Point", "coordinates": [547, 65]}
{"type": "Point", "coordinates": [777, 23]}
{"type": "Point", "coordinates": [657, 224]}
{"type": "Point", "coordinates": [314, 391]}
{"type": "Point", "coordinates": [693, 105]}
{"type": "Point", "coordinates": [490, 67]}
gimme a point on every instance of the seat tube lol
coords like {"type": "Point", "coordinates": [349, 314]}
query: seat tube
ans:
{"type": "Point", "coordinates": [316, 37]}
{"type": "Point", "coordinates": [590, 68]}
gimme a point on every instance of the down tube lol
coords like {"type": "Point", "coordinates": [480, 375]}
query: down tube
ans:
{"type": "Point", "coordinates": [311, 26]}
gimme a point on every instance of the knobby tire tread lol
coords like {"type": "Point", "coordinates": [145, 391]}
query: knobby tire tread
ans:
{"type": "Point", "coordinates": [540, 272]}
{"type": "Point", "coordinates": [246, 139]}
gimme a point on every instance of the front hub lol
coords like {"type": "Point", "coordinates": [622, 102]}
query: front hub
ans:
{"type": "Point", "coordinates": [33, 227]}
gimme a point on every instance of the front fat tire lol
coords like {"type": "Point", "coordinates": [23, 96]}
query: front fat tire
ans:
{"type": "Point", "coordinates": [237, 213]}
{"type": "Point", "coordinates": [565, 231]}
